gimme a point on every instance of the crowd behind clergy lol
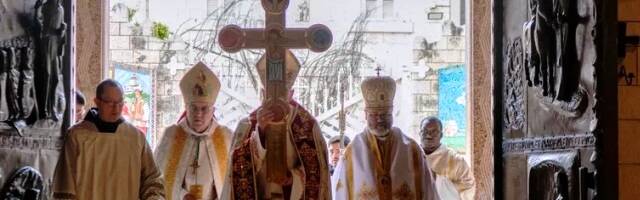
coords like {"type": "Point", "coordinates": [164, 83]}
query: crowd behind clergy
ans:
{"type": "Point", "coordinates": [105, 157]}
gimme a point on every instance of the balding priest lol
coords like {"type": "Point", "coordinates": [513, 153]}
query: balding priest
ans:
{"type": "Point", "coordinates": [105, 157]}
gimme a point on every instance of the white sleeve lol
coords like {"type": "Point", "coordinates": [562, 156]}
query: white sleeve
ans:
{"type": "Point", "coordinates": [339, 180]}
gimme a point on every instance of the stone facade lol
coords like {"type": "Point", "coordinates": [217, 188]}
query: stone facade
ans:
{"type": "Point", "coordinates": [132, 44]}
{"type": "Point", "coordinates": [393, 40]}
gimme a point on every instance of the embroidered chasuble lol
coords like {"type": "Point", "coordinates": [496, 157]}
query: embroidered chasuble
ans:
{"type": "Point", "coordinates": [454, 178]}
{"type": "Point", "coordinates": [384, 168]}
{"type": "Point", "coordinates": [106, 165]}
{"type": "Point", "coordinates": [189, 159]}
{"type": "Point", "coordinates": [382, 156]}
{"type": "Point", "coordinates": [306, 161]}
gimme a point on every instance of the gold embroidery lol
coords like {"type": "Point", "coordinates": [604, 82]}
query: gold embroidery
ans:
{"type": "Point", "coordinates": [242, 173]}
{"type": "Point", "coordinates": [383, 152]}
{"type": "Point", "coordinates": [403, 192]}
{"type": "Point", "coordinates": [304, 141]}
{"type": "Point", "coordinates": [375, 160]}
{"type": "Point", "coordinates": [339, 185]}
{"type": "Point", "coordinates": [367, 192]}
{"type": "Point", "coordinates": [350, 180]}
{"type": "Point", "coordinates": [174, 159]}
{"type": "Point", "coordinates": [220, 146]}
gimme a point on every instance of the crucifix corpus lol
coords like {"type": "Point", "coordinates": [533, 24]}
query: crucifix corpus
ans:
{"type": "Point", "coordinates": [276, 39]}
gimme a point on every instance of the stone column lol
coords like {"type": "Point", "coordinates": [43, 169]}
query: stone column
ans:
{"type": "Point", "coordinates": [91, 43]}
{"type": "Point", "coordinates": [480, 90]}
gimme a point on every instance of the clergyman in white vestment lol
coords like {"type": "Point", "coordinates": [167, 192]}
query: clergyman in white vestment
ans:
{"type": "Point", "coordinates": [193, 153]}
{"type": "Point", "coordinates": [381, 162]}
{"type": "Point", "coordinates": [454, 179]}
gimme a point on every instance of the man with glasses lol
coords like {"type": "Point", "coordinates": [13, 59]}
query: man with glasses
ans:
{"type": "Point", "coordinates": [104, 157]}
{"type": "Point", "coordinates": [454, 179]}
{"type": "Point", "coordinates": [193, 153]}
{"type": "Point", "coordinates": [382, 162]}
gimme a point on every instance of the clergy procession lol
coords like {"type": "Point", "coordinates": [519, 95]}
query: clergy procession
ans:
{"type": "Point", "coordinates": [277, 151]}
{"type": "Point", "coordinates": [105, 157]}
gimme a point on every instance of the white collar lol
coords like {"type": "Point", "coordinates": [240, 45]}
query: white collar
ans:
{"type": "Point", "coordinates": [185, 126]}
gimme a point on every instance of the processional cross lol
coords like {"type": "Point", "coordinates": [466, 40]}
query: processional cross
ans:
{"type": "Point", "coordinates": [276, 39]}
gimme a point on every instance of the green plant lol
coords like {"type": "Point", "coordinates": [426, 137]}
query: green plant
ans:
{"type": "Point", "coordinates": [130, 14]}
{"type": "Point", "coordinates": [160, 31]}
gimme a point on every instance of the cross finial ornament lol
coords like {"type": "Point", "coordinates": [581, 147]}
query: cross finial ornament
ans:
{"type": "Point", "coordinates": [276, 39]}
{"type": "Point", "coordinates": [378, 69]}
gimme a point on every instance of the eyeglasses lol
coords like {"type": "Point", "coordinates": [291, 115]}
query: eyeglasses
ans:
{"type": "Point", "coordinates": [204, 109]}
{"type": "Point", "coordinates": [112, 103]}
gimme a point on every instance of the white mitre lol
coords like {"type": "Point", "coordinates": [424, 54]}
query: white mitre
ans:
{"type": "Point", "coordinates": [378, 92]}
{"type": "Point", "coordinates": [200, 84]}
{"type": "Point", "coordinates": [293, 68]}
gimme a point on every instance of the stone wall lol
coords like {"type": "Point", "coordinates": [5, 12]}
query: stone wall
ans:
{"type": "Point", "coordinates": [131, 44]}
{"type": "Point", "coordinates": [449, 51]}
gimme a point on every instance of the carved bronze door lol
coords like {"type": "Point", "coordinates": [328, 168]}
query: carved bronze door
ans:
{"type": "Point", "coordinates": [555, 99]}
{"type": "Point", "coordinates": [36, 64]}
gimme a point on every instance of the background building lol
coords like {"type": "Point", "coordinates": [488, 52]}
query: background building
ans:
{"type": "Point", "coordinates": [421, 44]}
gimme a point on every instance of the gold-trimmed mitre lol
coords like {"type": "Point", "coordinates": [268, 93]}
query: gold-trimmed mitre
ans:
{"type": "Point", "coordinates": [293, 68]}
{"type": "Point", "coordinates": [378, 92]}
{"type": "Point", "coordinates": [200, 84]}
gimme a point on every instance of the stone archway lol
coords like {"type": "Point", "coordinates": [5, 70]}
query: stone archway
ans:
{"type": "Point", "coordinates": [92, 31]}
